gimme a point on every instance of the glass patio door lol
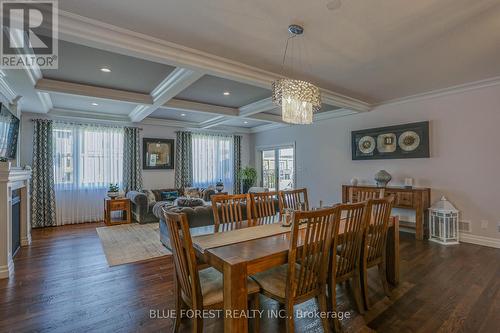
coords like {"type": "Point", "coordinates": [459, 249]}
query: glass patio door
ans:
{"type": "Point", "coordinates": [278, 172]}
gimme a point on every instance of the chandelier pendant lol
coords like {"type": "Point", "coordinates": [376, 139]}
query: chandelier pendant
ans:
{"type": "Point", "coordinates": [299, 100]}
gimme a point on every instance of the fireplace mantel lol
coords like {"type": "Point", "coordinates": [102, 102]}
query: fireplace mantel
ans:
{"type": "Point", "coordinates": [13, 179]}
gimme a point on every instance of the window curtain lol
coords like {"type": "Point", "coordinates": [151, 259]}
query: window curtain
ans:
{"type": "Point", "coordinates": [213, 158]}
{"type": "Point", "coordinates": [237, 164]}
{"type": "Point", "coordinates": [132, 175]}
{"type": "Point", "coordinates": [183, 160]}
{"type": "Point", "coordinates": [43, 204]}
{"type": "Point", "coordinates": [87, 158]}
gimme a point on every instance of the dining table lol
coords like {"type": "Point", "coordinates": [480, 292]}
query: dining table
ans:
{"type": "Point", "coordinates": [242, 252]}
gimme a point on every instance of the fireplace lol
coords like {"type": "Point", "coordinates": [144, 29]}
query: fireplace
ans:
{"type": "Point", "coordinates": [16, 221]}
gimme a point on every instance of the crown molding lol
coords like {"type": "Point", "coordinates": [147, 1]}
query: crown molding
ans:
{"type": "Point", "coordinates": [193, 126]}
{"type": "Point", "coordinates": [183, 105]}
{"type": "Point", "coordinates": [490, 82]}
{"type": "Point", "coordinates": [265, 104]}
{"type": "Point", "coordinates": [93, 33]}
{"type": "Point", "coordinates": [71, 114]}
{"type": "Point", "coordinates": [5, 88]}
{"type": "Point", "coordinates": [178, 80]}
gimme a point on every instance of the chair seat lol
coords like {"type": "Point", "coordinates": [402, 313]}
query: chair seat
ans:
{"type": "Point", "coordinates": [212, 286]}
{"type": "Point", "coordinates": [273, 280]}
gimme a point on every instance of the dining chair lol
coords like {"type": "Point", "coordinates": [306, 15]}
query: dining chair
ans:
{"type": "Point", "coordinates": [304, 276]}
{"type": "Point", "coordinates": [294, 199]}
{"type": "Point", "coordinates": [345, 265]}
{"type": "Point", "coordinates": [263, 207]}
{"type": "Point", "coordinates": [231, 211]}
{"type": "Point", "coordinates": [197, 289]}
{"type": "Point", "coordinates": [363, 194]}
{"type": "Point", "coordinates": [374, 244]}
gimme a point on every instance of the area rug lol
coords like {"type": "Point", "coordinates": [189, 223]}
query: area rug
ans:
{"type": "Point", "coordinates": [128, 243]}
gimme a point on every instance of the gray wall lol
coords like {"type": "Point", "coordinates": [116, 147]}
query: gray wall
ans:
{"type": "Point", "coordinates": [465, 151]}
{"type": "Point", "coordinates": [153, 179]}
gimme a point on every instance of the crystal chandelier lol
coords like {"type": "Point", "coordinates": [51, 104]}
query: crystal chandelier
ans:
{"type": "Point", "coordinates": [298, 99]}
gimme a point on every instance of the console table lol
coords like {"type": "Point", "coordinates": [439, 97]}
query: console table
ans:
{"type": "Point", "coordinates": [415, 198]}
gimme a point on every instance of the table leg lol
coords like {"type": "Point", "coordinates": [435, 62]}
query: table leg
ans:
{"type": "Point", "coordinates": [392, 253]}
{"type": "Point", "coordinates": [235, 298]}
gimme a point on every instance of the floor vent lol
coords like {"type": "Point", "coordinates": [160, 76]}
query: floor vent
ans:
{"type": "Point", "coordinates": [464, 226]}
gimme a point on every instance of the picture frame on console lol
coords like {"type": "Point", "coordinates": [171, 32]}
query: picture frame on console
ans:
{"type": "Point", "coordinates": [157, 154]}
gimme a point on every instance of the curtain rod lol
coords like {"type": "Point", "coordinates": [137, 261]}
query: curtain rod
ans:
{"type": "Point", "coordinates": [84, 124]}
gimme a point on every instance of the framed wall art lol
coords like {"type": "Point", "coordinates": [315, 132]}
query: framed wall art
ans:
{"type": "Point", "coordinates": [157, 154]}
{"type": "Point", "coordinates": [391, 142]}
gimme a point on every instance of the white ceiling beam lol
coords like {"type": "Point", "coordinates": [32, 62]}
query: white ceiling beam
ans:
{"type": "Point", "coordinates": [62, 87]}
{"type": "Point", "coordinates": [178, 80]}
{"type": "Point", "coordinates": [90, 32]}
{"type": "Point", "coordinates": [182, 105]}
{"type": "Point", "coordinates": [263, 105]}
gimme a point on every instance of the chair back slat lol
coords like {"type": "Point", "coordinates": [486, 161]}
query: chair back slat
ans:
{"type": "Point", "coordinates": [294, 199]}
{"type": "Point", "coordinates": [349, 244]}
{"type": "Point", "coordinates": [377, 226]}
{"type": "Point", "coordinates": [184, 258]}
{"type": "Point", "coordinates": [228, 211]}
{"type": "Point", "coordinates": [263, 207]}
{"type": "Point", "coordinates": [310, 276]}
{"type": "Point", "coordinates": [364, 194]}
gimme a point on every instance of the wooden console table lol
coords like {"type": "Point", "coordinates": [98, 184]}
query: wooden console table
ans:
{"type": "Point", "coordinates": [121, 204]}
{"type": "Point", "coordinates": [415, 198]}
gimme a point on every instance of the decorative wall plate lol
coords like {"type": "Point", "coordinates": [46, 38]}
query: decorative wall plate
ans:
{"type": "Point", "coordinates": [409, 141]}
{"type": "Point", "coordinates": [386, 143]}
{"type": "Point", "coordinates": [366, 145]}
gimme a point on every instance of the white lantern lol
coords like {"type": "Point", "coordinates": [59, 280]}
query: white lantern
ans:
{"type": "Point", "coordinates": [443, 217]}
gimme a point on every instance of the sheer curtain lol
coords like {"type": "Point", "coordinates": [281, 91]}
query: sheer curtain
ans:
{"type": "Point", "coordinates": [87, 158]}
{"type": "Point", "coordinates": [213, 157]}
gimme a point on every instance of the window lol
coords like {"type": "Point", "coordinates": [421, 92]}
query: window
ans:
{"type": "Point", "coordinates": [278, 175]}
{"type": "Point", "coordinates": [86, 156]}
{"type": "Point", "coordinates": [212, 160]}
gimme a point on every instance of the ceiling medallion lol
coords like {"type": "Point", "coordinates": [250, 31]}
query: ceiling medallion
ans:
{"type": "Point", "coordinates": [298, 99]}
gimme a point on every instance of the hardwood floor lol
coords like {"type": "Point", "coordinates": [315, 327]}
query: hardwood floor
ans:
{"type": "Point", "coordinates": [62, 283]}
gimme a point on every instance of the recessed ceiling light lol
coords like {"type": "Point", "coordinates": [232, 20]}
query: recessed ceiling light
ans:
{"type": "Point", "coordinates": [105, 70]}
{"type": "Point", "coordinates": [94, 104]}
{"type": "Point", "coordinates": [245, 122]}
{"type": "Point", "coordinates": [226, 93]}
{"type": "Point", "coordinates": [183, 114]}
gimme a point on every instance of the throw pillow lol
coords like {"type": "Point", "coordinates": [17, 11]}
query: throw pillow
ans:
{"type": "Point", "coordinates": [192, 192]}
{"type": "Point", "coordinates": [169, 196]}
{"type": "Point", "coordinates": [189, 202]}
{"type": "Point", "coordinates": [151, 197]}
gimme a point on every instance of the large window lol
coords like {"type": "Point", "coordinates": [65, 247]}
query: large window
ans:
{"type": "Point", "coordinates": [277, 168]}
{"type": "Point", "coordinates": [212, 160]}
{"type": "Point", "coordinates": [86, 160]}
{"type": "Point", "coordinates": [87, 156]}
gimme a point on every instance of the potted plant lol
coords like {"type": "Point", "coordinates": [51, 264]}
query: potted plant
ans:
{"type": "Point", "coordinates": [113, 190]}
{"type": "Point", "coordinates": [248, 177]}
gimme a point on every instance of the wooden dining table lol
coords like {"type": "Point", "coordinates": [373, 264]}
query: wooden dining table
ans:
{"type": "Point", "coordinates": [240, 253]}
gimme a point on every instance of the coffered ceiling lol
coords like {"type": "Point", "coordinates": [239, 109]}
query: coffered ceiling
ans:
{"type": "Point", "coordinates": [209, 65]}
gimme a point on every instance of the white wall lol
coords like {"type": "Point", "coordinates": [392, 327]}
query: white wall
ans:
{"type": "Point", "coordinates": [152, 179]}
{"type": "Point", "coordinates": [465, 149]}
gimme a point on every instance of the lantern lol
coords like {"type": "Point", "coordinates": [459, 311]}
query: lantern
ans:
{"type": "Point", "coordinates": [443, 217]}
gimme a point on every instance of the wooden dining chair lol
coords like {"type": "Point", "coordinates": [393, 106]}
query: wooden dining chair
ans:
{"type": "Point", "coordinates": [263, 207]}
{"type": "Point", "coordinates": [295, 283]}
{"type": "Point", "coordinates": [197, 289]}
{"type": "Point", "coordinates": [294, 199]}
{"type": "Point", "coordinates": [374, 244]}
{"type": "Point", "coordinates": [231, 211]}
{"type": "Point", "coordinates": [364, 193]}
{"type": "Point", "coordinates": [345, 264]}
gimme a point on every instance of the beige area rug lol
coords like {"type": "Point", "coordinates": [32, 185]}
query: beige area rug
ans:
{"type": "Point", "coordinates": [127, 243]}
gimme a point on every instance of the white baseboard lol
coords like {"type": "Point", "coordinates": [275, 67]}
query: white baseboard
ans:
{"type": "Point", "coordinates": [480, 240]}
{"type": "Point", "coordinates": [6, 270]}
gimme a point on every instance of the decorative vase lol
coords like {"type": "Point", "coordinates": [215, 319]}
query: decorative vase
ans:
{"type": "Point", "coordinates": [113, 195]}
{"type": "Point", "coordinates": [354, 181]}
{"type": "Point", "coordinates": [382, 178]}
{"type": "Point", "coordinates": [219, 186]}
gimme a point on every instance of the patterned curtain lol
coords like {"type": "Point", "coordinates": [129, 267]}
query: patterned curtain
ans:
{"type": "Point", "coordinates": [237, 164]}
{"type": "Point", "coordinates": [43, 206]}
{"type": "Point", "coordinates": [183, 160]}
{"type": "Point", "coordinates": [132, 173]}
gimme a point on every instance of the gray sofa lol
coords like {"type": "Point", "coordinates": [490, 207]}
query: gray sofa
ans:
{"type": "Point", "coordinates": [142, 208]}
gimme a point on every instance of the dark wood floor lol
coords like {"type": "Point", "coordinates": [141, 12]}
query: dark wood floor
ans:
{"type": "Point", "coordinates": [62, 283]}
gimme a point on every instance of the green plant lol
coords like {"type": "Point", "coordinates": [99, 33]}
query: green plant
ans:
{"type": "Point", "coordinates": [248, 176]}
{"type": "Point", "coordinates": [113, 188]}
